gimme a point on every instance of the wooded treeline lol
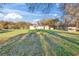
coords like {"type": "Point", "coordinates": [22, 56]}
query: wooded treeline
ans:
{"type": "Point", "coordinates": [25, 25]}
{"type": "Point", "coordinates": [14, 25]}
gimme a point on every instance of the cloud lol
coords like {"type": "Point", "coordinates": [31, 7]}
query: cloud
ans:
{"type": "Point", "coordinates": [12, 17]}
{"type": "Point", "coordinates": [34, 20]}
{"type": "Point", "coordinates": [7, 10]}
{"type": "Point", "coordinates": [20, 15]}
{"type": "Point", "coordinates": [1, 15]}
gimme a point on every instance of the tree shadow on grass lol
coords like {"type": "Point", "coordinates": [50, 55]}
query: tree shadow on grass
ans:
{"type": "Point", "coordinates": [60, 51]}
{"type": "Point", "coordinates": [69, 33]}
{"type": "Point", "coordinates": [8, 45]}
{"type": "Point", "coordinates": [63, 37]}
{"type": "Point", "coordinates": [29, 45]}
{"type": "Point", "coordinates": [11, 39]}
{"type": "Point", "coordinates": [4, 31]}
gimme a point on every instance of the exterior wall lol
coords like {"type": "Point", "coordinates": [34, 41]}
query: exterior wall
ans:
{"type": "Point", "coordinates": [32, 27]}
{"type": "Point", "coordinates": [72, 29]}
{"type": "Point", "coordinates": [40, 27]}
{"type": "Point", "coordinates": [46, 27]}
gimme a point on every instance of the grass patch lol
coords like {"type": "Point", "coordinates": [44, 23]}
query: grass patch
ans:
{"type": "Point", "coordinates": [7, 35]}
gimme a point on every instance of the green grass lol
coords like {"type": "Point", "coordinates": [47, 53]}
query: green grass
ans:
{"type": "Point", "coordinates": [5, 36]}
{"type": "Point", "coordinates": [39, 43]}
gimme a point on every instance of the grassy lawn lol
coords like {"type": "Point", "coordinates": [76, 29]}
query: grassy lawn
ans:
{"type": "Point", "coordinates": [10, 33]}
{"type": "Point", "coordinates": [39, 43]}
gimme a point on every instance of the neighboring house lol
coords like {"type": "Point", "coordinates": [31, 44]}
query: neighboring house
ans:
{"type": "Point", "coordinates": [72, 29]}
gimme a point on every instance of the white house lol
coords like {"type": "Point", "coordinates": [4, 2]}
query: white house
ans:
{"type": "Point", "coordinates": [39, 27]}
{"type": "Point", "coordinates": [72, 29]}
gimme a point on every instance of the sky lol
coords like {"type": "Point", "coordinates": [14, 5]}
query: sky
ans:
{"type": "Point", "coordinates": [30, 12]}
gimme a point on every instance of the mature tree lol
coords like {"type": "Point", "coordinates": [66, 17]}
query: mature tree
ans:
{"type": "Point", "coordinates": [72, 15]}
{"type": "Point", "coordinates": [22, 25]}
{"type": "Point", "coordinates": [48, 22]}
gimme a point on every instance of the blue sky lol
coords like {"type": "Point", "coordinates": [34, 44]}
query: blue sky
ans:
{"type": "Point", "coordinates": [21, 11]}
